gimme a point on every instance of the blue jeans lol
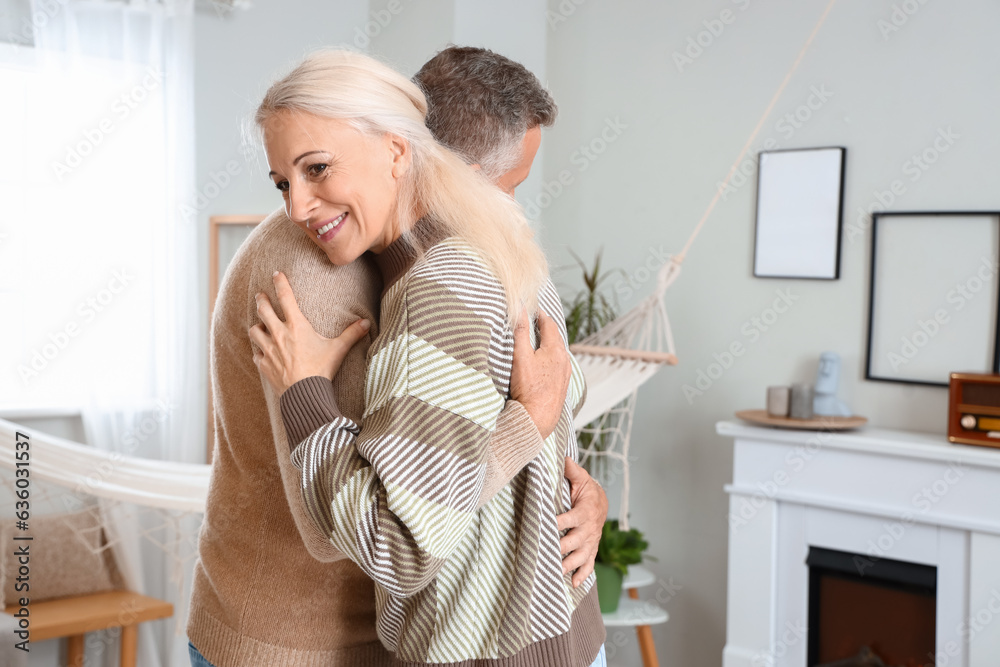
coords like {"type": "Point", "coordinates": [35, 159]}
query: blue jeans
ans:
{"type": "Point", "coordinates": [601, 660]}
{"type": "Point", "coordinates": [197, 659]}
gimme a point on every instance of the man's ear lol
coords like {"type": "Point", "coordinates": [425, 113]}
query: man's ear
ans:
{"type": "Point", "coordinates": [401, 155]}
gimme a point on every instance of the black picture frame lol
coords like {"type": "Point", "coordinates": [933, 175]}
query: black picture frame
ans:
{"type": "Point", "coordinates": [758, 272]}
{"type": "Point", "coordinates": [993, 341]}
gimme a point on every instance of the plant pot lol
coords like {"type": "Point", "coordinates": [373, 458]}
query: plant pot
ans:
{"type": "Point", "coordinates": [609, 587]}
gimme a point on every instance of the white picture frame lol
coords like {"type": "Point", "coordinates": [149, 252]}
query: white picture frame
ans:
{"type": "Point", "coordinates": [800, 194]}
{"type": "Point", "coordinates": [934, 298]}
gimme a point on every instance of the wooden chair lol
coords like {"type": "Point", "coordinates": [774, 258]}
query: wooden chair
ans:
{"type": "Point", "coordinates": [73, 617]}
{"type": "Point", "coordinates": [633, 612]}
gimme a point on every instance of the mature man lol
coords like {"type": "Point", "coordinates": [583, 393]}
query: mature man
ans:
{"type": "Point", "coordinates": [491, 110]}
{"type": "Point", "coordinates": [269, 588]}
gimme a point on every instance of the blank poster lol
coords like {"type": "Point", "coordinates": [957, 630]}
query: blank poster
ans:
{"type": "Point", "coordinates": [799, 214]}
{"type": "Point", "coordinates": [934, 296]}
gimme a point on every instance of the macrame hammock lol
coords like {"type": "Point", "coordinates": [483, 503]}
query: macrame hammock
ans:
{"type": "Point", "coordinates": [616, 361]}
{"type": "Point", "coordinates": [166, 496]}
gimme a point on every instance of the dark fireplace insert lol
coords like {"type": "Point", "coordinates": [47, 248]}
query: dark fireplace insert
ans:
{"type": "Point", "coordinates": [870, 612]}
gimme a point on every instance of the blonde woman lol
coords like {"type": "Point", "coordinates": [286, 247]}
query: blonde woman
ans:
{"type": "Point", "coordinates": [456, 582]}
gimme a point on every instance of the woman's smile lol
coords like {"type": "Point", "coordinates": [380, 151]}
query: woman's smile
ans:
{"type": "Point", "coordinates": [339, 184]}
{"type": "Point", "coordinates": [329, 228]}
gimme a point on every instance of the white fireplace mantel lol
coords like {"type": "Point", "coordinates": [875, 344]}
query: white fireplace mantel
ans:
{"type": "Point", "coordinates": [884, 494]}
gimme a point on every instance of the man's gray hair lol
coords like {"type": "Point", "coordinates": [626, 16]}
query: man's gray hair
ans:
{"type": "Point", "coordinates": [480, 104]}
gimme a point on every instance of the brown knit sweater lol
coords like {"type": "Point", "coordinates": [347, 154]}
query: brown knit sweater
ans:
{"type": "Point", "coordinates": [269, 588]}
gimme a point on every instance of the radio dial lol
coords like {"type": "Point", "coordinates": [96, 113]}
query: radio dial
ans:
{"type": "Point", "coordinates": [968, 422]}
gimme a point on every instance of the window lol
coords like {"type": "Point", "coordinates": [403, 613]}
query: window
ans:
{"type": "Point", "coordinates": [83, 179]}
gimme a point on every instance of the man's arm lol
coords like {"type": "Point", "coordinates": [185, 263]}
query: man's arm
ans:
{"type": "Point", "coordinates": [397, 493]}
{"type": "Point", "coordinates": [589, 504]}
{"type": "Point", "coordinates": [538, 383]}
{"type": "Point", "coordinates": [331, 297]}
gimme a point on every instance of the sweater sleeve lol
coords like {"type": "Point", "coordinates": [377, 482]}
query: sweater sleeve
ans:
{"type": "Point", "coordinates": [516, 440]}
{"type": "Point", "coordinates": [397, 494]}
{"type": "Point", "coordinates": [513, 445]}
{"type": "Point", "coordinates": [310, 403]}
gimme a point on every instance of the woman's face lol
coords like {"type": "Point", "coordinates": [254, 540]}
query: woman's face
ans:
{"type": "Point", "coordinates": [339, 184]}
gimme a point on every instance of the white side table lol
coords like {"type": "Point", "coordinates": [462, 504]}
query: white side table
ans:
{"type": "Point", "coordinates": [640, 614]}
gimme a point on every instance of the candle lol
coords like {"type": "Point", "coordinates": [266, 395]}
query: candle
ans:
{"type": "Point", "coordinates": [778, 399]}
{"type": "Point", "coordinates": [802, 402]}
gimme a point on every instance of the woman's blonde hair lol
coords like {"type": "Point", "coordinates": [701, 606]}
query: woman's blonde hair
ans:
{"type": "Point", "coordinates": [376, 99]}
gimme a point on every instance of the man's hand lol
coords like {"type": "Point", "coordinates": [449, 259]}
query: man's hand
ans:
{"type": "Point", "coordinates": [584, 521]}
{"type": "Point", "coordinates": [539, 378]}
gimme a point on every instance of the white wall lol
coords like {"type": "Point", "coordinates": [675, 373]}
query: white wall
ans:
{"type": "Point", "coordinates": [408, 32]}
{"type": "Point", "coordinates": [415, 31]}
{"type": "Point", "coordinates": [237, 55]}
{"type": "Point", "coordinates": [680, 132]}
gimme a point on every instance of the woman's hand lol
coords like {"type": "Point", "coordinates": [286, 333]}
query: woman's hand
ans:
{"type": "Point", "coordinates": [290, 351]}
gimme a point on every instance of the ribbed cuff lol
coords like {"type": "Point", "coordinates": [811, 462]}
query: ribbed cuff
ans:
{"type": "Point", "coordinates": [307, 405]}
{"type": "Point", "coordinates": [514, 444]}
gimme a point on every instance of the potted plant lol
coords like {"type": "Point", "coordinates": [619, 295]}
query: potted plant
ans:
{"type": "Point", "coordinates": [617, 550]}
{"type": "Point", "coordinates": [588, 312]}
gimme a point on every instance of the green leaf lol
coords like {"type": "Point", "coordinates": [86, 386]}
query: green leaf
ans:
{"type": "Point", "coordinates": [587, 313]}
{"type": "Point", "coordinates": [620, 548]}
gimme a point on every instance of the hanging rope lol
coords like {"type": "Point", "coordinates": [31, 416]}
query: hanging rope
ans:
{"type": "Point", "coordinates": [627, 352]}
{"type": "Point", "coordinates": [753, 135]}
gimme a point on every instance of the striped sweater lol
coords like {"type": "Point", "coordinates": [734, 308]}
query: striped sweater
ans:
{"type": "Point", "coordinates": [456, 583]}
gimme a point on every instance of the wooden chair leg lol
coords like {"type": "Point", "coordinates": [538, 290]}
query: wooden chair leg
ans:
{"type": "Point", "coordinates": [74, 651]}
{"type": "Point", "coordinates": [130, 635]}
{"type": "Point", "coordinates": [645, 637]}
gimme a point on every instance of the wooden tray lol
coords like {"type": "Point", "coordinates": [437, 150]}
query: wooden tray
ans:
{"type": "Point", "coordinates": [815, 424]}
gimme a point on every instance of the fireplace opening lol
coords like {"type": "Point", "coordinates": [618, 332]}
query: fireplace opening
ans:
{"type": "Point", "coordinates": [868, 612]}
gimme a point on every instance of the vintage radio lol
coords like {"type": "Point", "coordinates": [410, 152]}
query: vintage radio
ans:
{"type": "Point", "coordinates": [974, 409]}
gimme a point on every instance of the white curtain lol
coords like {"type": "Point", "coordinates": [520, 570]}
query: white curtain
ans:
{"type": "Point", "coordinates": [119, 81]}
